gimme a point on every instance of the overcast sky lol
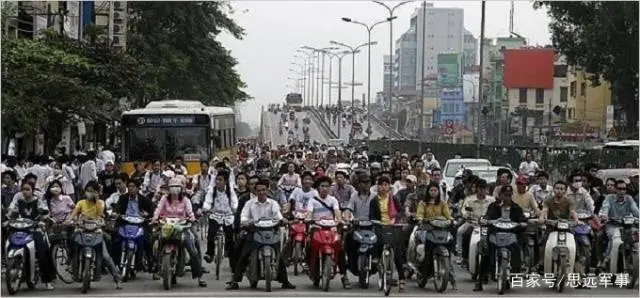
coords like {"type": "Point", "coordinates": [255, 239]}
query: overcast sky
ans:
{"type": "Point", "coordinates": [275, 29]}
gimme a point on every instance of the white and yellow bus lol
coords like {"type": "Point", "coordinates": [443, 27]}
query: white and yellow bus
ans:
{"type": "Point", "coordinates": [294, 100]}
{"type": "Point", "coordinates": [167, 129]}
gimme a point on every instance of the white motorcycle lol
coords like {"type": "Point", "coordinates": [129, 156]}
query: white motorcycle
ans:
{"type": "Point", "coordinates": [560, 252]}
{"type": "Point", "coordinates": [624, 249]}
{"type": "Point", "coordinates": [477, 247]}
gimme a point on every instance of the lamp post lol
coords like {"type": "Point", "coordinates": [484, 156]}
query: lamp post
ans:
{"type": "Point", "coordinates": [391, 17]}
{"type": "Point", "coordinates": [318, 78]}
{"type": "Point", "coordinates": [308, 97]}
{"type": "Point", "coordinates": [339, 56]}
{"type": "Point", "coordinates": [353, 51]}
{"type": "Point", "coordinates": [480, 95]}
{"type": "Point", "coordinates": [369, 28]}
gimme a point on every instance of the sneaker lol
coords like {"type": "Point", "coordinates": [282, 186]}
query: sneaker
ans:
{"type": "Point", "coordinates": [288, 286]}
{"type": "Point", "coordinates": [208, 258]}
{"type": "Point", "coordinates": [48, 286]}
{"type": "Point", "coordinates": [118, 285]}
{"type": "Point", "coordinates": [232, 286]}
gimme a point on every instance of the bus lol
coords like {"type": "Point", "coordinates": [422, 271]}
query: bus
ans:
{"type": "Point", "coordinates": [615, 154]}
{"type": "Point", "coordinates": [294, 100]}
{"type": "Point", "coordinates": [167, 129]}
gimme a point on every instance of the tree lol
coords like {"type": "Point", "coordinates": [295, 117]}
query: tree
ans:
{"type": "Point", "coordinates": [243, 129]}
{"type": "Point", "coordinates": [602, 38]}
{"type": "Point", "coordinates": [176, 43]}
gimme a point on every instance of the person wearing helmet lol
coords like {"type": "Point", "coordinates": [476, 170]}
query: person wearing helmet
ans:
{"type": "Point", "coordinates": [177, 205]}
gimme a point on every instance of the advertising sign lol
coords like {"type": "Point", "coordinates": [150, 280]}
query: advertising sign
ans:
{"type": "Point", "coordinates": [449, 75]}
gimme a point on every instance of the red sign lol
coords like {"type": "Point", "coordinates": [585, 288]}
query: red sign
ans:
{"type": "Point", "coordinates": [448, 123]}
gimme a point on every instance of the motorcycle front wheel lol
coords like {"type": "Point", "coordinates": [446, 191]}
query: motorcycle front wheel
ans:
{"type": "Point", "coordinates": [13, 278]}
{"type": "Point", "coordinates": [166, 271]}
{"type": "Point", "coordinates": [86, 275]}
{"type": "Point", "coordinates": [327, 271]}
{"type": "Point", "coordinates": [441, 273]}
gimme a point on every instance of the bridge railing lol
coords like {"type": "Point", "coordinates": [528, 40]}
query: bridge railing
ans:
{"type": "Point", "coordinates": [389, 131]}
{"type": "Point", "coordinates": [324, 126]}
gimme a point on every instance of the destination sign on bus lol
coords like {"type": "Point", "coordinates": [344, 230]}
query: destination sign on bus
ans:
{"type": "Point", "coordinates": [165, 120]}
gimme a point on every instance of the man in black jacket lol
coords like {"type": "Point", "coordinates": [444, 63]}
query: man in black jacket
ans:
{"type": "Point", "coordinates": [503, 207]}
{"type": "Point", "coordinates": [134, 204]}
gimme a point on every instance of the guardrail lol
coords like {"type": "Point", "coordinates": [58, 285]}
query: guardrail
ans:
{"type": "Point", "coordinates": [326, 129]}
{"type": "Point", "coordinates": [392, 132]}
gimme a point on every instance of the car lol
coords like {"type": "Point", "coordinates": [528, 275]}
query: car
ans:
{"type": "Point", "coordinates": [618, 174]}
{"type": "Point", "coordinates": [452, 167]}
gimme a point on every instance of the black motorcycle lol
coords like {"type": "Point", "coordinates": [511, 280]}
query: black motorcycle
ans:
{"type": "Point", "coordinates": [263, 262]}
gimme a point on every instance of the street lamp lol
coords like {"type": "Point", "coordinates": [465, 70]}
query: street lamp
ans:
{"type": "Point", "coordinates": [301, 74]}
{"type": "Point", "coordinates": [390, 19]}
{"type": "Point", "coordinates": [308, 97]}
{"type": "Point", "coordinates": [354, 50]}
{"type": "Point", "coordinates": [339, 56]}
{"type": "Point", "coordinates": [320, 79]}
{"type": "Point", "coordinates": [369, 28]}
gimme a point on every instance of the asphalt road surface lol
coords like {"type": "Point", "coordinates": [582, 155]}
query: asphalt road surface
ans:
{"type": "Point", "coordinates": [145, 286]}
{"type": "Point", "coordinates": [273, 124]}
{"type": "Point", "coordinates": [377, 132]}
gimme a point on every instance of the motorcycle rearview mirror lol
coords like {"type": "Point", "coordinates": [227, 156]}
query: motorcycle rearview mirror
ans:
{"type": "Point", "coordinates": [468, 209]}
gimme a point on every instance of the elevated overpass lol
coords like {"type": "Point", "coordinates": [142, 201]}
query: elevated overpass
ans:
{"type": "Point", "coordinates": [271, 126]}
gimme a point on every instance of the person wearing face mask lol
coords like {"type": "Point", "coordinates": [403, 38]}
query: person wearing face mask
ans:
{"type": "Point", "coordinates": [579, 195]}
{"type": "Point", "coordinates": [27, 205]}
{"type": "Point", "coordinates": [224, 201]}
{"type": "Point", "coordinates": [176, 205]}
{"type": "Point", "coordinates": [92, 208]}
{"type": "Point", "coordinates": [60, 205]}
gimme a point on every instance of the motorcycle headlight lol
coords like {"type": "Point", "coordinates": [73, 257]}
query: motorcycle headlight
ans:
{"type": "Point", "coordinates": [628, 220]}
{"type": "Point", "coordinates": [563, 225]}
{"type": "Point", "coordinates": [90, 226]}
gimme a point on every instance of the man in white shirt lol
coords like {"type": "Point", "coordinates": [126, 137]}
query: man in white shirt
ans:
{"type": "Point", "coordinates": [42, 171]}
{"type": "Point", "coordinates": [528, 167]}
{"type": "Point", "coordinates": [221, 200]}
{"type": "Point", "coordinates": [112, 200]}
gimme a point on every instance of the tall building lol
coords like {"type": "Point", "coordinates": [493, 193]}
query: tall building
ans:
{"type": "Point", "coordinates": [469, 52]}
{"type": "Point", "coordinates": [404, 72]}
{"type": "Point", "coordinates": [443, 33]}
{"type": "Point", "coordinates": [386, 78]}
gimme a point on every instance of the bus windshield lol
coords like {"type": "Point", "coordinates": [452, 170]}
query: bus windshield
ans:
{"type": "Point", "coordinates": [166, 143]}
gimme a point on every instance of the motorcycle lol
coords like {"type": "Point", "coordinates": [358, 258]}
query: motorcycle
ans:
{"type": "Point", "coordinates": [174, 255]}
{"type": "Point", "coordinates": [530, 249]}
{"type": "Point", "coordinates": [582, 233]}
{"type": "Point", "coordinates": [624, 249]}
{"type": "Point", "coordinates": [286, 191]}
{"type": "Point", "coordinates": [298, 238]}
{"type": "Point", "coordinates": [131, 233]}
{"type": "Point", "coordinates": [502, 238]}
{"type": "Point", "coordinates": [365, 265]}
{"type": "Point", "coordinates": [220, 240]}
{"type": "Point", "coordinates": [22, 265]}
{"type": "Point", "coordinates": [325, 244]}
{"type": "Point", "coordinates": [434, 233]}
{"type": "Point", "coordinates": [477, 247]}
{"type": "Point", "coordinates": [88, 259]}
{"type": "Point", "coordinates": [560, 252]}
{"type": "Point", "coordinates": [263, 263]}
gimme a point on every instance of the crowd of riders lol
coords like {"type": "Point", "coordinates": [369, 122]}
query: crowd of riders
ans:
{"type": "Point", "coordinates": [327, 189]}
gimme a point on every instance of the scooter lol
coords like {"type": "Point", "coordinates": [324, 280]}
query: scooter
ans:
{"type": "Point", "coordinates": [560, 252]}
{"type": "Point", "coordinates": [434, 233]}
{"type": "Point", "coordinates": [88, 262]}
{"type": "Point", "coordinates": [503, 237]}
{"type": "Point", "coordinates": [325, 245]}
{"type": "Point", "coordinates": [365, 265]}
{"type": "Point", "coordinates": [624, 249]}
{"type": "Point", "coordinates": [530, 249]}
{"type": "Point", "coordinates": [582, 233]}
{"type": "Point", "coordinates": [298, 240]}
{"type": "Point", "coordinates": [263, 263]}
{"type": "Point", "coordinates": [22, 265]}
{"type": "Point", "coordinates": [173, 252]}
{"type": "Point", "coordinates": [131, 233]}
{"type": "Point", "coordinates": [477, 247]}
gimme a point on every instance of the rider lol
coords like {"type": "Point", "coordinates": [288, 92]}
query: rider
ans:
{"type": "Point", "coordinates": [616, 206]}
{"type": "Point", "coordinates": [341, 190]}
{"type": "Point", "coordinates": [326, 206]}
{"type": "Point", "coordinates": [92, 208]}
{"type": "Point", "coordinates": [177, 205]}
{"type": "Point", "coordinates": [580, 196]}
{"type": "Point", "coordinates": [555, 207]}
{"type": "Point", "coordinates": [479, 202]}
{"type": "Point", "coordinates": [153, 179]}
{"type": "Point", "coordinates": [260, 207]}
{"type": "Point", "coordinates": [524, 199]}
{"type": "Point", "coordinates": [503, 208]}
{"type": "Point", "coordinates": [542, 189]}
{"type": "Point", "coordinates": [26, 204]}
{"type": "Point", "coordinates": [222, 199]}
{"type": "Point", "coordinates": [386, 209]}
{"type": "Point", "coordinates": [300, 197]}
{"type": "Point", "coordinates": [199, 184]}
{"type": "Point", "coordinates": [291, 177]}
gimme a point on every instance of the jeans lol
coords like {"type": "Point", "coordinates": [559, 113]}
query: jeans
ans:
{"type": "Point", "coordinates": [189, 243]}
{"type": "Point", "coordinates": [464, 232]}
{"type": "Point", "coordinates": [609, 230]}
{"type": "Point", "coordinates": [228, 243]}
{"type": "Point", "coordinates": [106, 259]}
{"type": "Point", "coordinates": [248, 247]}
{"type": "Point", "coordinates": [43, 256]}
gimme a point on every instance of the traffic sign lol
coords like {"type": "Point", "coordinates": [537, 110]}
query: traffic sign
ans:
{"type": "Point", "coordinates": [448, 130]}
{"type": "Point", "coordinates": [448, 123]}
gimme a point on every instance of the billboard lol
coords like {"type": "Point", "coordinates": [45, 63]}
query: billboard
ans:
{"type": "Point", "coordinates": [449, 75]}
{"type": "Point", "coordinates": [528, 68]}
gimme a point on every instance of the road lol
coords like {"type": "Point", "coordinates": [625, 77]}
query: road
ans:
{"type": "Point", "coordinates": [273, 124]}
{"type": "Point", "coordinates": [145, 286]}
{"type": "Point", "coordinates": [377, 131]}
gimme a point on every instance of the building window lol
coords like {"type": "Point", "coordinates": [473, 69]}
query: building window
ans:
{"type": "Point", "coordinates": [572, 89]}
{"type": "Point", "coordinates": [570, 113]}
{"type": "Point", "coordinates": [523, 95]}
{"type": "Point", "coordinates": [559, 71]}
{"type": "Point", "coordinates": [563, 94]}
{"type": "Point", "coordinates": [539, 95]}
{"type": "Point", "coordinates": [583, 89]}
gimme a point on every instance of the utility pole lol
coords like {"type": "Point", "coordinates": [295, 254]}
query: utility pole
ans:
{"type": "Point", "coordinates": [481, 82]}
{"type": "Point", "coordinates": [421, 100]}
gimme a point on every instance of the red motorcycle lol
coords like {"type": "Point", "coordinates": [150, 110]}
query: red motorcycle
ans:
{"type": "Point", "coordinates": [323, 257]}
{"type": "Point", "coordinates": [298, 240]}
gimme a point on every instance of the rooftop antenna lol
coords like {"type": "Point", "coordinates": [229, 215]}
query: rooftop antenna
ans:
{"type": "Point", "coordinates": [511, 32]}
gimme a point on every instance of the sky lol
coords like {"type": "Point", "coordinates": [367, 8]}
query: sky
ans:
{"type": "Point", "coordinates": [276, 29]}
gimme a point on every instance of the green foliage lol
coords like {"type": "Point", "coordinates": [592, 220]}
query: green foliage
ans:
{"type": "Point", "coordinates": [176, 42]}
{"type": "Point", "coordinates": [601, 37]}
